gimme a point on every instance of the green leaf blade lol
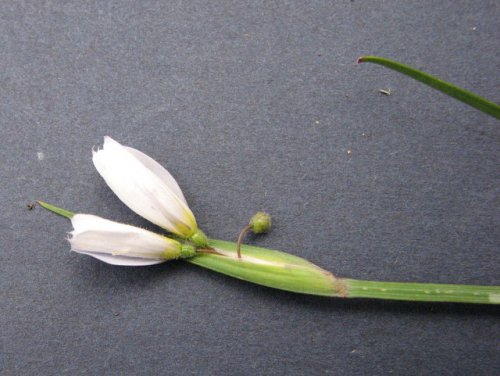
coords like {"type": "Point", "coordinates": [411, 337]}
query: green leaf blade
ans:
{"type": "Point", "coordinates": [456, 92]}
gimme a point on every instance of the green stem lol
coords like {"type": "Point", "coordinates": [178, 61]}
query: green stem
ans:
{"type": "Point", "coordinates": [456, 92]}
{"type": "Point", "coordinates": [287, 272]}
{"type": "Point", "coordinates": [423, 292]}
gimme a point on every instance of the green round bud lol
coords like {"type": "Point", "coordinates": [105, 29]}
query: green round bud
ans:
{"type": "Point", "coordinates": [260, 222]}
{"type": "Point", "coordinates": [187, 250]}
{"type": "Point", "coordinates": [199, 239]}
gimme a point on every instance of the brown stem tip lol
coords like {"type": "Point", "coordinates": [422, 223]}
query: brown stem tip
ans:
{"type": "Point", "coordinates": [243, 232]}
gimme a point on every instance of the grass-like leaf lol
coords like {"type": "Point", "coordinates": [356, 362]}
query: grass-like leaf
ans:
{"type": "Point", "coordinates": [456, 92]}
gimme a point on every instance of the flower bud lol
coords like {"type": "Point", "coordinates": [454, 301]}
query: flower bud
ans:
{"type": "Point", "coordinates": [120, 244]}
{"type": "Point", "coordinates": [260, 222]}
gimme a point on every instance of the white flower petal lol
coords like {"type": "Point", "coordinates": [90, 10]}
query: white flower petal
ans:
{"type": "Point", "coordinates": [118, 243]}
{"type": "Point", "coordinates": [121, 260]}
{"type": "Point", "coordinates": [145, 187]}
{"type": "Point", "coordinates": [159, 171]}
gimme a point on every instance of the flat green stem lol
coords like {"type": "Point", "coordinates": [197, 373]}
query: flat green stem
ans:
{"type": "Point", "coordinates": [456, 92]}
{"type": "Point", "coordinates": [423, 292]}
{"type": "Point", "coordinates": [283, 271]}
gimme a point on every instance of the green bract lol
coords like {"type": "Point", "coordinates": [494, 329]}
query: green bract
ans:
{"type": "Point", "coordinates": [270, 268]}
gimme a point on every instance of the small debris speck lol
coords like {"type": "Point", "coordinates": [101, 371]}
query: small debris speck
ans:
{"type": "Point", "coordinates": [385, 92]}
{"type": "Point", "coordinates": [40, 156]}
{"type": "Point", "coordinates": [31, 206]}
{"type": "Point", "coordinates": [349, 151]}
{"type": "Point", "coordinates": [317, 121]}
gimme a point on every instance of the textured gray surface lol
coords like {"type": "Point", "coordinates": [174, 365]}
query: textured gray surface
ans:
{"type": "Point", "coordinates": [251, 105]}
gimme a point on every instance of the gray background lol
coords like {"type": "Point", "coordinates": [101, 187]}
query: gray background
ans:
{"type": "Point", "coordinates": [251, 105]}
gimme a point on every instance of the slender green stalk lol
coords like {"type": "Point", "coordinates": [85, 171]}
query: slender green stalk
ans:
{"type": "Point", "coordinates": [456, 92]}
{"type": "Point", "coordinates": [423, 292]}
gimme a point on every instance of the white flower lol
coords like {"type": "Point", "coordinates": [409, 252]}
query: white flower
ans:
{"type": "Point", "coordinates": [120, 244]}
{"type": "Point", "coordinates": [145, 187]}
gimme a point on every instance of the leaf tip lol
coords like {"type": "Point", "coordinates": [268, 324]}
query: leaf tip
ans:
{"type": "Point", "coordinates": [62, 212]}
